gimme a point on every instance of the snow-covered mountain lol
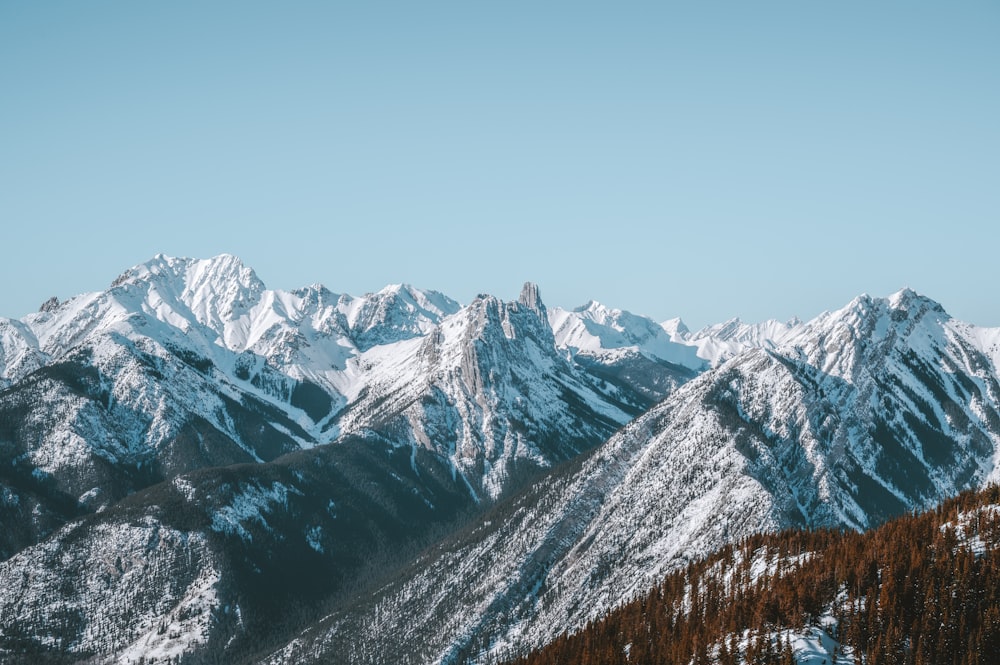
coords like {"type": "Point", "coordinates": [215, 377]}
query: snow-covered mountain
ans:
{"type": "Point", "coordinates": [305, 476]}
{"type": "Point", "coordinates": [185, 363]}
{"type": "Point", "coordinates": [624, 349]}
{"type": "Point", "coordinates": [883, 406]}
{"type": "Point", "coordinates": [488, 389]}
{"type": "Point", "coordinates": [181, 364]}
{"type": "Point", "coordinates": [223, 560]}
{"type": "Point", "coordinates": [600, 331]}
{"type": "Point", "coordinates": [722, 341]}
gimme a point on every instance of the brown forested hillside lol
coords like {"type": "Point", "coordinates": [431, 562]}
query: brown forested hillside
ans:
{"type": "Point", "coordinates": [920, 590]}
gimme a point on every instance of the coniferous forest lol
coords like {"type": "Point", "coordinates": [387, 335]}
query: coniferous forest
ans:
{"type": "Point", "coordinates": [922, 589]}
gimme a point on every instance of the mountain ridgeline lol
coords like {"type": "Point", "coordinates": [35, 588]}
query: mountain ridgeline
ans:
{"type": "Point", "coordinates": [196, 468]}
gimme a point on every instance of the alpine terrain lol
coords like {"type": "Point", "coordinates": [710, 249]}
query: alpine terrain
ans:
{"type": "Point", "coordinates": [197, 469]}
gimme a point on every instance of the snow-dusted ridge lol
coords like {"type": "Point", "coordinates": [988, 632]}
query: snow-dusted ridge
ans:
{"type": "Point", "coordinates": [192, 371]}
{"type": "Point", "coordinates": [185, 363]}
{"type": "Point", "coordinates": [139, 589]}
{"type": "Point", "coordinates": [885, 405]}
{"type": "Point", "coordinates": [722, 341]}
{"type": "Point", "coordinates": [601, 331]}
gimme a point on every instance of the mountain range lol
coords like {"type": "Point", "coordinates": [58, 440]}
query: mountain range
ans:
{"type": "Point", "coordinates": [197, 468]}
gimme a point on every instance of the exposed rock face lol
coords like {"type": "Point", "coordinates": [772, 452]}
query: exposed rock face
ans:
{"type": "Point", "coordinates": [532, 299]}
{"type": "Point", "coordinates": [49, 305]}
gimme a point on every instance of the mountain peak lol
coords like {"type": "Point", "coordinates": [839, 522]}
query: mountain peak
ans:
{"type": "Point", "coordinates": [597, 310]}
{"type": "Point", "coordinates": [395, 289]}
{"type": "Point", "coordinates": [675, 326]}
{"type": "Point", "coordinates": [216, 290]}
{"type": "Point", "coordinates": [222, 268]}
{"type": "Point", "coordinates": [907, 299]}
{"type": "Point", "coordinates": [49, 305]}
{"type": "Point", "coordinates": [396, 312]}
{"type": "Point", "coordinates": [531, 298]}
{"type": "Point", "coordinates": [227, 266]}
{"type": "Point", "coordinates": [901, 305]}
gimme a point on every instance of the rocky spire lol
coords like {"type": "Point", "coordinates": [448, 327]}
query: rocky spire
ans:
{"type": "Point", "coordinates": [532, 299]}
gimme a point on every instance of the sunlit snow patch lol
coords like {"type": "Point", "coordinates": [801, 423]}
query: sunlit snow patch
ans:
{"type": "Point", "coordinates": [812, 645]}
{"type": "Point", "coordinates": [969, 532]}
{"type": "Point", "coordinates": [250, 504]}
{"type": "Point", "coordinates": [184, 628]}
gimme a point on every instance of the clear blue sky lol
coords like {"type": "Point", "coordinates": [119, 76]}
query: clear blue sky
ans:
{"type": "Point", "coordinates": [696, 159]}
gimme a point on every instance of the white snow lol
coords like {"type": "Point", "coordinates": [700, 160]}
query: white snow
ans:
{"type": "Point", "coordinates": [599, 330]}
{"type": "Point", "coordinates": [250, 503]}
{"type": "Point", "coordinates": [718, 343]}
{"type": "Point", "coordinates": [967, 533]}
{"type": "Point", "coordinates": [186, 626]}
{"type": "Point", "coordinates": [810, 646]}
{"type": "Point", "coordinates": [185, 487]}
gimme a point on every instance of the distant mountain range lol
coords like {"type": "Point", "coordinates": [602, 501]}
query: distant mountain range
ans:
{"type": "Point", "coordinates": [195, 467]}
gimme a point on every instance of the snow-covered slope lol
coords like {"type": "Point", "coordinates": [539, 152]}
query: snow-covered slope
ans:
{"type": "Point", "coordinates": [216, 560]}
{"type": "Point", "coordinates": [883, 406]}
{"type": "Point", "coordinates": [188, 363]}
{"type": "Point", "coordinates": [488, 389]}
{"type": "Point", "coordinates": [176, 366]}
{"type": "Point", "coordinates": [133, 590]}
{"type": "Point", "coordinates": [601, 331]}
{"type": "Point", "coordinates": [986, 340]}
{"type": "Point", "coordinates": [722, 341]}
{"type": "Point", "coordinates": [631, 352]}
